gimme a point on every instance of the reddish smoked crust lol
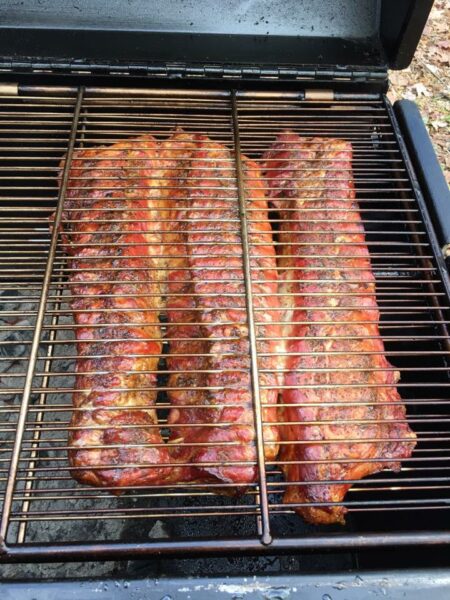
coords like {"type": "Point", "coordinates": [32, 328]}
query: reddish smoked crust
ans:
{"type": "Point", "coordinates": [116, 280]}
{"type": "Point", "coordinates": [113, 282]}
{"type": "Point", "coordinates": [209, 218]}
{"type": "Point", "coordinates": [315, 173]}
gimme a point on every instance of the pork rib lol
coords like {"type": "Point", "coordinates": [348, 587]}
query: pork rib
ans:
{"type": "Point", "coordinates": [212, 419]}
{"type": "Point", "coordinates": [111, 231]}
{"type": "Point", "coordinates": [340, 388]}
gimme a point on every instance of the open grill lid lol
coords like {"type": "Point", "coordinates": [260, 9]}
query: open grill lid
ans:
{"type": "Point", "coordinates": [358, 33]}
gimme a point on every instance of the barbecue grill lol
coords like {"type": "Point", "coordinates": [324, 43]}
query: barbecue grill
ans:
{"type": "Point", "coordinates": [73, 77]}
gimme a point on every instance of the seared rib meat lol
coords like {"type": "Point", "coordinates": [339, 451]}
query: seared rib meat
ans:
{"type": "Point", "coordinates": [135, 213]}
{"type": "Point", "coordinates": [113, 235]}
{"type": "Point", "coordinates": [217, 430]}
{"type": "Point", "coordinates": [340, 387]}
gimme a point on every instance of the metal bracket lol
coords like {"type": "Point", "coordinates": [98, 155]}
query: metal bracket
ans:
{"type": "Point", "coordinates": [319, 94]}
{"type": "Point", "coordinates": [9, 89]}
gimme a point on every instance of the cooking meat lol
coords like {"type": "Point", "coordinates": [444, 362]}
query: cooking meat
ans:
{"type": "Point", "coordinates": [144, 220]}
{"type": "Point", "coordinates": [112, 231]}
{"type": "Point", "coordinates": [345, 418]}
{"type": "Point", "coordinates": [212, 419]}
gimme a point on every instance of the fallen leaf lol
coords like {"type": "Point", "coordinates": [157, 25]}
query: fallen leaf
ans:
{"type": "Point", "coordinates": [443, 58]}
{"type": "Point", "coordinates": [433, 69]}
{"type": "Point", "coordinates": [436, 14]}
{"type": "Point", "coordinates": [441, 26]}
{"type": "Point", "coordinates": [398, 78]}
{"type": "Point", "coordinates": [438, 124]}
{"type": "Point", "coordinates": [409, 95]}
{"type": "Point", "coordinates": [421, 89]}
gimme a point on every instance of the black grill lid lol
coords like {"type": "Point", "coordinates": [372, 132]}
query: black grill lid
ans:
{"type": "Point", "coordinates": [379, 33]}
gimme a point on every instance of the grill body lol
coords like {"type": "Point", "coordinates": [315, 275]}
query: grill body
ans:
{"type": "Point", "coordinates": [46, 515]}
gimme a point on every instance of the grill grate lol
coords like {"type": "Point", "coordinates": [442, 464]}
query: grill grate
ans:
{"type": "Point", "coordinates": [37, 362]}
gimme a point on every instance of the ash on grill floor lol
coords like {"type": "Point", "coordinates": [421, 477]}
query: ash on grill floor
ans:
{"type": "Point", "coordinates": [14, 346]}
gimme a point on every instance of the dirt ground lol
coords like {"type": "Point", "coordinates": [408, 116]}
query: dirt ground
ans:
{"type": "Point", "coordinates": [427, 80]}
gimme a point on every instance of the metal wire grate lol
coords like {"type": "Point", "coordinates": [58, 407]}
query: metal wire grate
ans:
{"type": "Point", "coordinates": [42, 504]}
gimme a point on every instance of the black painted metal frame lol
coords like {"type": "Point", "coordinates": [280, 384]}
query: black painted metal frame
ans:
{"type": "Point", "coordinates": [344, 32]}
{"type": "Point", "coordinates": [392, 584]}
{"type": "Point", "coordinates": [426, 165]}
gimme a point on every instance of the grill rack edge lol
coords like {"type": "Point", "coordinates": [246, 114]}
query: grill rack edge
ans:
{"type": "Point", "coordinates": [413, 207]}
